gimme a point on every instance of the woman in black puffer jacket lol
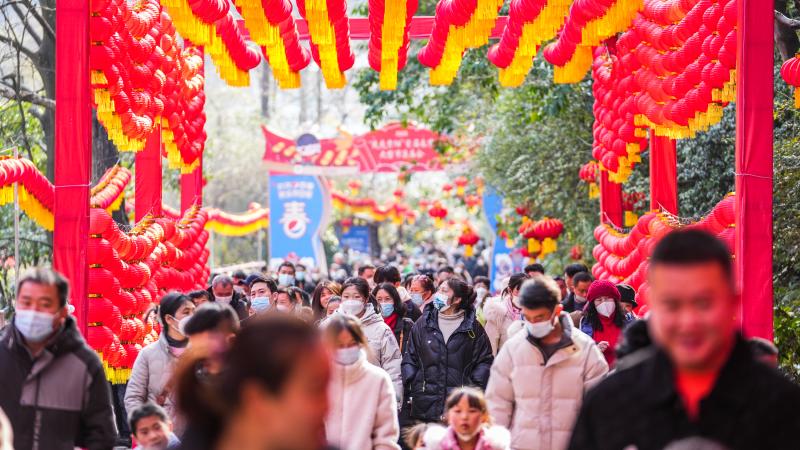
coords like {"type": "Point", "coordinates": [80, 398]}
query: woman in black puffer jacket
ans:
{"type": "Point", "coordinates": [448, 349]}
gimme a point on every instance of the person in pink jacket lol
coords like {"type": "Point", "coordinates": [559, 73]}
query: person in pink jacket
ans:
{"type": "Point", "coordinates": [469, 425]}
{"type": "Point", "coordinates": [361, 396]}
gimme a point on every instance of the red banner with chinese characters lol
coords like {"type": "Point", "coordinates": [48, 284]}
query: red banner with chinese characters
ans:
{"type": "Point", "coordinates": [393, 148]}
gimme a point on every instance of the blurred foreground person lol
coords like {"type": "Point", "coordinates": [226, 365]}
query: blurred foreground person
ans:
{"type": "Point", "coordinates": [363, 408]}
{"type": "Point", "coordinates": [539, 377]}
{"type": "Point", "coordinates": [152, 429]}
{"type": "Point", "coordinates": [211, 331]}
{"type": "Point", "coordinates": [6, 433]}
{"type": "Point", "coordinates": [448, 349]}
{"type": "Point", "coordinates": [469, 425]}
{"type": "Point", "coordinates": [153, 367]}
{"type": "Point", "coordinates": [702, 380]}
{"type": "Point", "coordinates": [54, 389]}
{"type": "Point", "coordinates": [270, 394]}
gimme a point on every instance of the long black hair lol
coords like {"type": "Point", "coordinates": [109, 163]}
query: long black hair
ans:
{"type": "Point", "coordinates": [463, 291]}
{"type": "Point", "coordinates": [399, 307]}
{"type": "Point", "coordinates": [514, 282]}
{"type": "Point", "coordinates": [316, 298]}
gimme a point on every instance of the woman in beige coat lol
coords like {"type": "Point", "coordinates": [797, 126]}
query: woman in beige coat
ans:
{"type": "Point", "coordinates": [362, 411]}
{"type": "Point", "coordinates": [502, 311]}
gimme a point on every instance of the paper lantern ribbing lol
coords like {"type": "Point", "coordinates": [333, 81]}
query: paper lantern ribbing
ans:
{"type": "Point", "coordinates": [388, 45]}
{"type": "Point", "coordinates": [329, 31]}
{"type": "Point", "coordinates": [458, 26]}
{"type": "Point", "coordinates": [790, 72]}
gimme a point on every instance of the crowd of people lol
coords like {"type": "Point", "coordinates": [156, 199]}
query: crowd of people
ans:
{"type": "Point", "coordinates": [395, 357]}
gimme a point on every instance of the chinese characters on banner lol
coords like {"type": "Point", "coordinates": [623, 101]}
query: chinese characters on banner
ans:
{"type": "Point", "coordinates": [299, 209]}
{"type": "Point", "coordinates": [393, 148]}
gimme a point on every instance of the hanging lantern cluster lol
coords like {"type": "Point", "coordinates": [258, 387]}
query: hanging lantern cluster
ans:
{"type": "Point", "coordinates": [623, 258]}
{"type": "Point", "coordinates": [459, 25]}
{"type": "Point", "coordinates": [447, 189]}
{"type": "Point", "coordinates": [355, 186]}
{"type": "Point", "coordinates": [541, 235]}
{"type": "Point", "coordinates": [211, 24]}
{"type": "Point", "coordinates": [790, 72]}
{"type": "Point", "coordinates": [617, 141]}
{"type": "Point", "coordinates": [468, 239]}
{"type": "Point", "coordinates": [183, 124]}
{"type": "Point", "coordinates": [473, 203]}
{"type": "Point", "coordinates": [345, 224]}
{"type": "Point", "coordinates": [36, 194]}
{"type": "Point", "coordinates": [530, 23]}
{"type": "Point", "coordinates": [329, 31]}
{"type": "Point", "coordinates": [631, 202]}
{"type": "Point", "coordinates": [589, 173]}
{"type": "Point", "coordinates": [461, 185]}
{"type": "Point", "coordinates": [227, 224]}
{"type": "Point", "coordinates": [129, 272]}
{"type": "Point", "coordinates": [438, 213]}
{"type": "Point", "coordinates": [396, 211]}
{"type": "Point", "coordinates": [683, 57]}
{"type": "Point", "coordinates": [272, 26]}
{"type": "Point", "coordinates": [589, 23]}
{"type": "Point", "coordinates": [389, 21]}
{"type": "Point", "coordinates": [108, 193]}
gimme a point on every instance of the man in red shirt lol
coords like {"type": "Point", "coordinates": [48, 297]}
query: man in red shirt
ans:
{"type": "Point", "coordinates": [702, 379]}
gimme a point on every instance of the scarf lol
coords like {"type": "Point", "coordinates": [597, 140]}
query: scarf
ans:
{"type": "Point", "coordinates": [391, 320]}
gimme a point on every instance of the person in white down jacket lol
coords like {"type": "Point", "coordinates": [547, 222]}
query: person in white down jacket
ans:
{"type": "Point", "coordinates": [539, 377]}
{"type": "Point", "coordinates": [362, 411]}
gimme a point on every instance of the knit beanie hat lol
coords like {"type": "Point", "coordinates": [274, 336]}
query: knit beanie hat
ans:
{"type": "Point", "coordinates": [602, 288]}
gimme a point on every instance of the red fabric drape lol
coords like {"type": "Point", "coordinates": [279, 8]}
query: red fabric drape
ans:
{"type": "Point", "coordinates": [148, 177]}
{"type": "Point", "coordinates": [610, 201]}
{"type": "Point", "coordinates": [754, 165]}
{"type": "Point", "coordinates": [73, 151]}
{"type": "Point", "coordinates": [192, 187]}
{"type": "Point", "coordinates": [663, 174]}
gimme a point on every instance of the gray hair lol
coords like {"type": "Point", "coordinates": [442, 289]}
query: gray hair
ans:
{"type": "Point", "coordinates": [46, 276]}
{"type": "Point", "coordinates": [221, 279]}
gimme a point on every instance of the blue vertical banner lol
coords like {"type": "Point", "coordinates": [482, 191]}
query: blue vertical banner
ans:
{"type": "Point", "coordinates": [504, 261]}
{"type": "Point", "coordinates": [299, 211]}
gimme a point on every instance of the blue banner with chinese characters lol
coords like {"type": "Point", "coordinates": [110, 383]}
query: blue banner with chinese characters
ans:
{"type": "Point", "coordinates": [299, 210]}
{"type": "Point", "coordinates": [356, 238]}
{"type": "Point", "coordinates": [504, 261]}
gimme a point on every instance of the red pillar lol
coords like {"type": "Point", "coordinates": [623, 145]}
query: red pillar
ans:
{"type": "Point", "coordinates": [148, 177]}
{"type": "Point", "coordinates": [192, 187]}
{"type": "Point", "coordinates": [73, 150]}
{"type": "Point", "coordinates": [753, 239]}
{"type": "Point", "coordinates": [663, 174]}
{"type": "Point", "coordinates": [610, 201]}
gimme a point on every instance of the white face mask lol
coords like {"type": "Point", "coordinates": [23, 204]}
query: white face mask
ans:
{"type": "Point", "coordinates": [283, 308]}
{"type": "Point", "coordinates": [480, 292]}
{"type": "Point", "coordinates": [347, 356]}
{"type": "Point", "coordinates": [182, 324]}
{"type": "Point", "coordinates": [606, 308]}
{"type": "Point", "coordinates": [284, 279]}
{"type": "Point", "coordinates": [539, 329]}
{"type": "Point", "coordinates": [352, 307]}
{"type": "Point", "coordinates": [224, 300]}
{"type": "Point", "coordinates": [35, 326]}
{"type": "Point", "coordinates": [579, 299]}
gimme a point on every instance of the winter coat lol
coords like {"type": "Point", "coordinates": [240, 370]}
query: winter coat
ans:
{"type": "Point", "coordinates": [384, 351]}
{"type": "Point", "coordinates": [499, 317]}
{"type": "Point", "coordinates": [490, 438]}
{"type": "Point", "coordinates": [238, 303]}
{"type": "Point", "coordinates": [751, 406]}
{"type": "Point", "coordinates": [586, 326]}
{"type": "Point", "coordinates": [539, 401]}
{"type": "Point", "coordinates": [58, 400]}
{"type": "Point", "coordinates": [149, 377]}
{"type": "Point", "coordinates": [402, 332]}
{"type": "Point", "coordinates": [432, 367]}
{"type": "Point", "coordinates": [412, 312]}
{"type": "Point", "coordinates": [363, 409]}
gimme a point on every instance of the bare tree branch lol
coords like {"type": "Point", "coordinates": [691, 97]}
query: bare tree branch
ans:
{"type": "Point", "coordinates": [26, 23]}
{"type": "Point", "coordinates": [26, 96]}
{"type": "Point", "coordinates": [19, 47]}
{"type": "Point", "coordinates": [785, 33]}
{"type": "Point", "coordinates": [36, 14]}
{"type": "Point", "coordinates": [794, 24]}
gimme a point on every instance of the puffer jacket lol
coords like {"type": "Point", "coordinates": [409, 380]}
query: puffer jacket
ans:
{"type": "Point", "coordinates": [489, 438]}
{"type": "Point", "coordinates": [432, 368]}
{"type": "Point", "coordinates": [499, 316]}
{"type": "Point", "coordinates": [363, 409]}
{"type": "Point", "coordinates": [539, 401]}
{"type": "Point", "coordinates": [60, 399]}
{"type": "Point", "coordinates": [384, 351]}
{"type": "Point", "coordinates": [149, 377]}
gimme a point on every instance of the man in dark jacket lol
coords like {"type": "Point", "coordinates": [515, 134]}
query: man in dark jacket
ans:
{"type": "Point", "coordinates": [433, 366]}
{"type": "Point", "coordinates": [222, 291]}
{"type": "Point", "coordinates": [54, 389]}
{"type": "Point", "coordinates": [702, 380]}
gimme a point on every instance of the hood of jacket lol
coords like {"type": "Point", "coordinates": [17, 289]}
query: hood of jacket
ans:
{"type": "Point", "coordinates": [370, 317]}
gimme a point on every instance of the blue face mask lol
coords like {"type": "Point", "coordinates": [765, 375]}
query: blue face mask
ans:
{"type": "Point", "coordinates": [387, 309]}
{"type": "Point", "coordinates": [260, 304]}
{"type": "Point", "coordinates": [417, 299]}
{"type": "Point", "coordinates": [439, 301]}
{"type": "Point", "coordinates": [284, 279]}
